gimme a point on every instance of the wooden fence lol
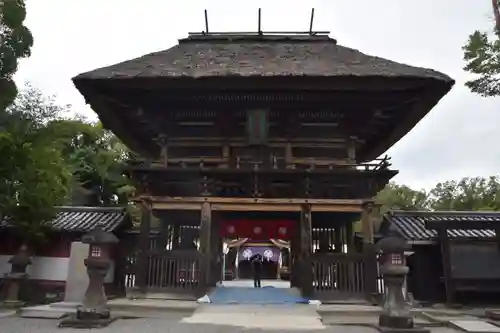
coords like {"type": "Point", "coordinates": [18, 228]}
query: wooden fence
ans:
{"type": "Point", "coordinates": [338, 275]}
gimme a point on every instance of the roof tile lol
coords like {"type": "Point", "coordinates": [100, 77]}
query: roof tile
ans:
{"type": "Point", "coordinates": [411, 224]}
{"type": "Point", "coordinates": [84, 219]}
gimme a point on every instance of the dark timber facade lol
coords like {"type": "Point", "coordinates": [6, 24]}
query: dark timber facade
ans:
{"type": "Point", "coordinates": [258, 126]}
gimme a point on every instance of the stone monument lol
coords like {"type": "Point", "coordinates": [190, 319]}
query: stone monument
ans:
{"type": "Point", "coordinates": [15, 278]}
{"type": "Point", "coordinates": [77, 279]}
{"type": "Point", "coordinates": [94, 312]}
{"type": "Point", "coordinates": [396, 311]}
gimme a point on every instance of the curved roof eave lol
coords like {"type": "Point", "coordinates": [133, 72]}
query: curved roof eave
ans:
{"type": "Point", "coordinates": [433, 92]}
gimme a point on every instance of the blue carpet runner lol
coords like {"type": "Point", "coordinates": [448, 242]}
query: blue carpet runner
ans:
{"type": "Point", "coordinates": [265, 295]}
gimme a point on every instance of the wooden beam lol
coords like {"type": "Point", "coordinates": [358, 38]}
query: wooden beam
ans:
{"type": "Point", "coordinates": [256, 204]}
{"type": "Point", "coordinates": [321, 161]}
{"type": "Point", "coordinates": [214, 200]}
{"type": "Point", "coordinates": [227, 207]}
{"type": "Point", "coordinates": [236, 141]}
{"type": "Point", "coordinates": [152, 99]}
{"type": "Point", "coordinates": [275, 143]}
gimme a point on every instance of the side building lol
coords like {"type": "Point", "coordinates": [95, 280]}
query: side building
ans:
{"type": "Point", "coordinates": [455, 255]}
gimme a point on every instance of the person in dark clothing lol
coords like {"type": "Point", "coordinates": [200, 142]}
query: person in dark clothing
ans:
{"type": "Point", "coordinates": [257, 270]}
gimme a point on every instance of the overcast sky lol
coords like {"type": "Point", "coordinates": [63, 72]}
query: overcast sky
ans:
{"type": "Point", "coordinates": [459, 138]}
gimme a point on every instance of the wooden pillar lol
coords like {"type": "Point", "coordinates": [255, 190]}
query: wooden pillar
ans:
{"type": "Point", "coordinates": [164, 155]}
{"type": "Point", "coordinates": [226, 155]}
{"type": "Point", "coordinates": [338, 244]}
{"type": "Point", "coordinates": [164, 238]}
{"type": "Point", "coordinates": [446, 260]}
{"type": "Point", "coordinates": [366, 222]}
{"type": "Point", "coordinates": [351, 150]}
{"type": "Point", "coordinates": [205, 228]}
{"type": "Point", "coordinates": [141, 273]}
{"type": "Point", "coordinates": [370, 257]}
{"type": "Point", "coordinates": [295, 248]}
{"type": "Point", "coordinates": [306, 272]}
{"type": "Point", "coordinates": [176, 232]}
{"type": "Point", "coordinates": [497, 233]}
{"type": "Point", "coordinates": [288, 153]}
{"type": "Point", "coordinates": [215, 252]}
{"type": "Point", "coordinates": [349, 235]}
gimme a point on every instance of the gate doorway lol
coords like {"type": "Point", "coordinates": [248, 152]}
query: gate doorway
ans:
{"type": "Point", "coordinates": [265, 234]}
{"type": "Point", "coordinates": [190, 252]}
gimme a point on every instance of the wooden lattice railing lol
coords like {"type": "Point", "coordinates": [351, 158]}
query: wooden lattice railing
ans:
{"type": "Point", "coordinates": [338, 274]}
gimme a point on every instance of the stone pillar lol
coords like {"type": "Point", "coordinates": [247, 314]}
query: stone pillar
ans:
{"type": "Point", "coordinates": [19, 262]}
{"type": "Point", "coordinates": [396, 312]}
{"type": "Point", "coordinates": [94, 311]}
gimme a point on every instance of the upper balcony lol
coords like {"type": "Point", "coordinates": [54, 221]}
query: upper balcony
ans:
{"type": "Point", "coordinates": [297, 178]}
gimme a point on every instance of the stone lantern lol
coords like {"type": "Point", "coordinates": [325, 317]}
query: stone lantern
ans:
{"type": "Point", "coordinates": [396, 313]}
{"type": "Point", "coordinates": [94, 311]}
{"type": "Point", "coordinates": [19, 262]}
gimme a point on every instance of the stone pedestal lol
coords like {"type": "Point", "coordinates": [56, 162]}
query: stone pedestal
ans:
{"type": "Point", "coordinates": [94, 311]}
{"type": "Point", "coordinates": [16, 277]}
{"type": "Point", "coordinates": [13, 281]}
{"type": "Point", "coordinates": [396, 311]}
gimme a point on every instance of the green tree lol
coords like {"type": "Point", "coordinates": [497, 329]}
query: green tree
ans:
{"type": "Point", "coordinates": [98, 161]}
{"type": "Point", "coordinates": [15, 42]}
{"type": "Point", "coordinates": [482, 57]}
{"type": "Point", "coordinates": [34, 178]}
{"type": "Point", "coordinates": [475, 193]}
{"type": "Point", "coordinates": [401, 197]}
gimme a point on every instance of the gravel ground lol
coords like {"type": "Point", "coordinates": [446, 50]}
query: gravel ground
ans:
{"type": "Point", "coordinates": [22, 325]}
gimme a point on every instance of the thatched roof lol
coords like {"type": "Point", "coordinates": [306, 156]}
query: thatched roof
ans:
{"type": "Point", "coordinates": [259, 62]}
{"type": "Point", "coordinates": [247, 56]}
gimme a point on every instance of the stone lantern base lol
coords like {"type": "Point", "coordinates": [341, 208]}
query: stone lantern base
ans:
{"type": "Point", "coordinates": [14, 282]}
{"type": "Point", "coordinates": [398, 324]}
{"type": "Point", "coordinates": [12, 304]}
{"type": "Point", "coordinates": [87, 319]}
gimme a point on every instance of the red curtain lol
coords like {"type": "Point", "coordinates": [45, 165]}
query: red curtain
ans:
{"type": "Point", "coordinates": [257, 229]}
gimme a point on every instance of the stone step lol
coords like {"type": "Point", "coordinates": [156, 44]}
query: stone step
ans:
{"type": "Point", "coordinates": [4, 313]}
{"type": "Point", "coordinates": [290, 317]}
{"type": "Point", "coordinates": [151, 308]}
{"type": "Point", "coordinates": [492, 314]}
{"type": "Point", "coordinates": [45, 312]}
{"type": "Point", "coordinates": [474, 326]}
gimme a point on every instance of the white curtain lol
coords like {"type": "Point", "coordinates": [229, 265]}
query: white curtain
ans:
{"type": "Point", "coordinates": [280, 243]}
